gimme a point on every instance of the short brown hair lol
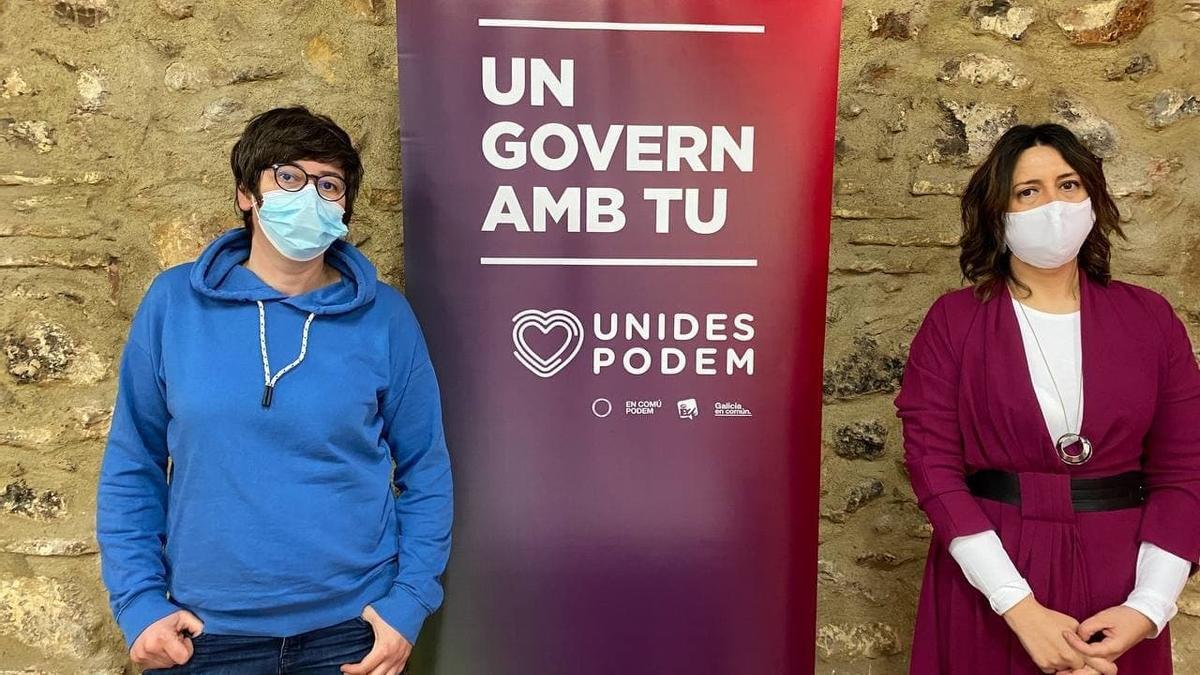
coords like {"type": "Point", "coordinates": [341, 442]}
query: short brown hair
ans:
{"type": "Point", "coordinates": [289, 134]}
{"type": "Point", "coordinates": [985, 262]}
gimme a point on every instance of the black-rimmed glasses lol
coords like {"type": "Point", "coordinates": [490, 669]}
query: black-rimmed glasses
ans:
{"type": "Point", "coordinates": [293, 179]}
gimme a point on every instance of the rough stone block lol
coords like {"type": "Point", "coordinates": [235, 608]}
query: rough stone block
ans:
{"type": "Point", "coordinates": [1135, 67]}
{"type": "Point", "coordinates": [862, 494]}
{"type": "Point", "coordinates": [857, 641]}
{"type": "Point", "coordinates": [1105, 22]}
{"type": "Point", "coordinates": [898, 23]}
{"type": "Point", "coordinates": [20, 499]}
{"type": "Point", "coordinates": [186, 76]}
{"type": "Point", "coordinates": [1001, 17]}
{"type": "Point", "coordinates": [979, 69]}
{"type": "Point", "coordinates": [1097, 133]}
{"type": "Point", "coordinates": [971, 129]}
{"type": "Point", "coordinates": [49, 615]}
{"type": "Point", "coordinates": [1171, 106]}
{"type": "Point", "coordinates": [13, 85]}
{"type": "Point", "coordinates": [860, 440]}
{"type": "Point", "coordinates": [92, 91]}
{"type": "Point", "coordinates": [37, 133]}
{"type": "Point", "coordinates": [177, 9]}
{"type": "Point", "coordinates": [86, 13]}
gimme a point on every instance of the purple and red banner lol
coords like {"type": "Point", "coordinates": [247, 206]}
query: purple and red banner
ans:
{"type": "Point", "coordinates": [616, 237]}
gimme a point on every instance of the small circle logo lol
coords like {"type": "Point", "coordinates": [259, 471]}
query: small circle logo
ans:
{"type": "Point", "coordinates": [602, 408]}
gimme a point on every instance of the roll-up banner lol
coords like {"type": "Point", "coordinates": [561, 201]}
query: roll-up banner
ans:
{"type": "Point", "coordinates": [616, 225]}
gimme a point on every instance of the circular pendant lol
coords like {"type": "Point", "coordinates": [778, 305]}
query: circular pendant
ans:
{"type": "Point", "coordinates": [1067, 440]}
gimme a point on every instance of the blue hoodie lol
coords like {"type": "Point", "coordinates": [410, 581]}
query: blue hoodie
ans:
{"type": "Point", "coordinates": [273, 520]}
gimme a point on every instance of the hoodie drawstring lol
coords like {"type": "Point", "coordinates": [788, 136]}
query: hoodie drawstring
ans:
{"type": "Point", "coordinates": [268, 379]}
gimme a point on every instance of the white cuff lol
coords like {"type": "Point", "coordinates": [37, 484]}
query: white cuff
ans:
{"type": "Point", "coordinates": [989, 569]}
{"type": "Point", "coordinates": [1161, 576]}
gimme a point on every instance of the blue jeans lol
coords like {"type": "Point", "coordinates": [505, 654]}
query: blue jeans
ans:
{"type": "Point", "coordinates": [318, 652]}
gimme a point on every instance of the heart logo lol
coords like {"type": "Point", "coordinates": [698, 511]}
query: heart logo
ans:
{"type": "Point", "coordinates": [547, 323]}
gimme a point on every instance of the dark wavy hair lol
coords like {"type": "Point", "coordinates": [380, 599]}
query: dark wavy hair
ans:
{"type": "Point", "coordinates": [984, 260]}
{"type": "Point", "coordinates": [290, 134]}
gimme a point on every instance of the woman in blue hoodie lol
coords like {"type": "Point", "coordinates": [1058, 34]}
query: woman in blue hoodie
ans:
{"type": "Point", "coordinates": [246, 515]}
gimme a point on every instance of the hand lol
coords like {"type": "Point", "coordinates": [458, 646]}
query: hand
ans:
{"type": "Point", "coordinates": [1102, 668]}
{"type": "Point", "coordinates": [390, 653]}
{"type": "Point", "coordinates": [1041, 633]}
{"type": "Point", "coordinates": [1122, 627]}
{"type": "Point", "coordinates": [162, 645]}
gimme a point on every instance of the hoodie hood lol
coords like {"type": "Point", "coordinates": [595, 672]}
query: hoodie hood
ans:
{"type": "Point", "coordinates": [219, 273]}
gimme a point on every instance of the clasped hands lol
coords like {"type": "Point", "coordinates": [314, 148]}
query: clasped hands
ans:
{"type": "Point", "coordinates": [1058, 644]}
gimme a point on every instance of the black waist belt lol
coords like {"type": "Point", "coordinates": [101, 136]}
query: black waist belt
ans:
{"type": "Point", "coordinates": [1108, 493]}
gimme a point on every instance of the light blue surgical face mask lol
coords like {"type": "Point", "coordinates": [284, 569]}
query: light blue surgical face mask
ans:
{"type": "Point", "coordinates": [300, 225]}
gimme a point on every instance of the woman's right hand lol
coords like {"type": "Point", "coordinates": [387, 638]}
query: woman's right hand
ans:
{"type": "Point", "coordinates": [163, 645]}
{"type": "Point", "coordinates": [1040, 631]}
{"type": "Point", "coordinates": [1102, 668]}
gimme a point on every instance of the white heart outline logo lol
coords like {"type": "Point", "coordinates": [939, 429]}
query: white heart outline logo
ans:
{"type": "Point", "coordinates": [546, 322]}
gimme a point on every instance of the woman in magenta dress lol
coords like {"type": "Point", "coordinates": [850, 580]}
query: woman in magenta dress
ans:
{"type": "Point", "coordinates": [1061, 542]}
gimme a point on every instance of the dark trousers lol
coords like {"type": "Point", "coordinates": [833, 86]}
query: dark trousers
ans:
{"type": "Point", "coordinates": [317, 652]}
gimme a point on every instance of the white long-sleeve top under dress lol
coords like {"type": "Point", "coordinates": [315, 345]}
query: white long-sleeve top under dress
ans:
{"type": "Point", "coordinates": [1161, 575]}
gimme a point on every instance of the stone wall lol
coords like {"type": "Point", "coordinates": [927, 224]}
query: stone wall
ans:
{"type": "Point", "coordinates": [116, 120]}
{"type": "Point", "coordinates": [925, 89]}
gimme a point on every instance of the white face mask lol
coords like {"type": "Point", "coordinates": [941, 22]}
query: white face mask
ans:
{"type": "Point", "coordinates": [1050, 235]}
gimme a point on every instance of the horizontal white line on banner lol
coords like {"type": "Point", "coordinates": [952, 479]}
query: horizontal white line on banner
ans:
{"type": "Point", "coordinates": [614, 25]}
{"type": "Point", "coordinates": [624, 262]}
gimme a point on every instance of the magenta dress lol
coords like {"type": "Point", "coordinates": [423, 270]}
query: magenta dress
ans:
{"type": "Point", "coordinates": [967, 403]}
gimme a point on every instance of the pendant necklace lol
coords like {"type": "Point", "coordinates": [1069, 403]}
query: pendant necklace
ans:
{"type": "Point", "coordinates": [1070, 438]}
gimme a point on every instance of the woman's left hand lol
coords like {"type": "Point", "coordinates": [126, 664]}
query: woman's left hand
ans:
{"type": "Point", "coordinates": [1101, 667]}
{"type": "Point", "coordinates": [390, 653]}
{"type": "Point", "coordinates": [1122, 628]}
